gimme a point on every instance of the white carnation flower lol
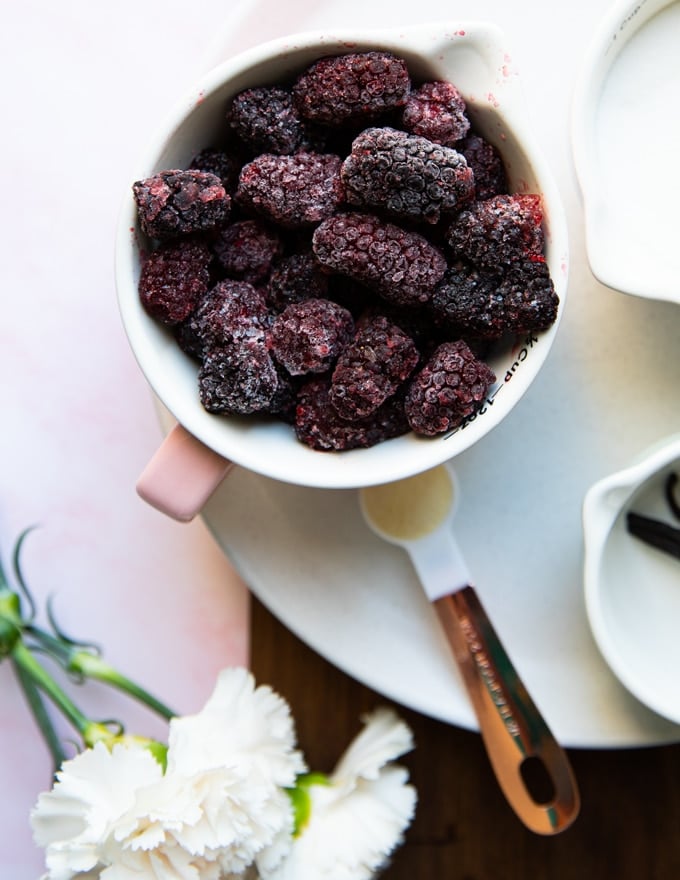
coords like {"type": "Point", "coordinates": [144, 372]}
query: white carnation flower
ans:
{"type": "Point", "coordinates": [220, 802]}
{"type": "Point", "coordinates": [359, 815]}
{"type": "Point", "coordinates": [93, 791]}
{"type": "Point", "coordinates": [221, 799]}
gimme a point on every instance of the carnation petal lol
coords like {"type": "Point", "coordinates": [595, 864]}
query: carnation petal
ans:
{"type": "Point", "coordinates": [92, 791]}
{"type": "Point", "coordinates": [240, 726]}
{"type": "Point", "coordinates": [384, 738]}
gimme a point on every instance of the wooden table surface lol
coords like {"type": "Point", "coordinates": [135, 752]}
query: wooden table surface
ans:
{"type": "Point", "coordinates": [628, 829]}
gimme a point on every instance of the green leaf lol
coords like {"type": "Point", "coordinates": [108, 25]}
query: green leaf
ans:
{"type": "Point", "coordinates": [301, 799]}
{"type": "Point", "coordinates": [41, 715]}
{"type": "Point", "coordinates": [160, 752]}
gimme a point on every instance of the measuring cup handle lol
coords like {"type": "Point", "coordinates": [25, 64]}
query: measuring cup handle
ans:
{"type": "Point", "coordinates": [514, 732]}
{"type": "Point", "coordinates": [181, 476]}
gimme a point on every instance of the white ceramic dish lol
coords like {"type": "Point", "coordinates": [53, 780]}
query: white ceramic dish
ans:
{"type": "Point", "coordinates": [475, 55]}
{"type": "Point", "coordinates": [633, 590]}
{"type": "Point", "coordinates": [626, 140]}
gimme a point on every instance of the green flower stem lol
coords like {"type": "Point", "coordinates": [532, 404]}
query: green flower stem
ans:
{"type": "Point", "coordinates": [57, 648]}
{"type": "Point", "coordinates": [90, 665]}
{"type": "Point", "coordinates": [29, 667]}
{"type": "Point", "coordinates": [40, 714]}
{"type": "Point", "coordinates": [4, 585]}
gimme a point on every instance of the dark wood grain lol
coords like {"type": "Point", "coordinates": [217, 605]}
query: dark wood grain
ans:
{"type": "Point", "coordinates": [629, 827]}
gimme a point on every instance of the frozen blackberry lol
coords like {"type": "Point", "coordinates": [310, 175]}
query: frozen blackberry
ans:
{"type": "Point", "coordinates": [293, 191]}
{"type": "Point", "coordinates": [178, 202]}
{"type": "Point", "coordinates": [451, 387]}
{"type": "Point", "coordinates": [469, 302]}
{"type": "Point", "coordinates": [487, 167]}
{"type": "Point", "coordinates": [295, 278]}
{"type": "Point", "coordinates": [489, 306]}
{"type": "Point", "coordinates": [221, 164]}
{"type": "Point", "coordinates": [266, 120]}
{"type": "Point", "coordinates": [351, 86]}
{"type": "Point", "coordinates": [436, 111]}
{"type": "Point", "coordinates": [403, 267]}
{"type": "Point", "coordinates": [283, 403]}
{"type": "Point", "coordinates": [173, 279]}
{"type": "Point", "coordinates": [239, 378]}
{"type": "Point", "coordinates": [529, 296]}
{"type": "Point", "coordinates": [317, 423]}
{"type": "Point", "coordinates": [231, 311]}
{"type": "Point", "coordinates": [405, 174]}
{"type": "Point", "coordinates": [246, 250]}
{"type": "Point", "coordinates": [499, 231]}
{"type": "Point", "coordinates": [371, 369]}
{"type": "Point", "coordinates": [308, 336]}
{"type": "Point", "coordinates": [414, 322]}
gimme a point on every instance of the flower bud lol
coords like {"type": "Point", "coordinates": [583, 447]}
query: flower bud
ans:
{"type": "Point", "coordinates": [102, 732]}
{"type": "Point", "coordinates": [10, 622]}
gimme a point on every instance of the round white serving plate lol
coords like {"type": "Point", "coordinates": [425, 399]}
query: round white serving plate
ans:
{"type": "Point", "coordinates": [608, 390]}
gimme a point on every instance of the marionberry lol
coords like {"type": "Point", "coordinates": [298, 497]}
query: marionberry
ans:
{"type": "Point", "coordinates": [402, 266]}
{"type": "Point", "coordinates": [436, 111]}
{"type": "Point", "coordinates": [239, 378]}
{"type": "Point", "coordinates": [231, 311]}
{"type": "Point", "coordinates": [498, 231]}
{"type": "Point", "coordinates": [351, 86]}
{"type": "Point", "coordinates": [246, 250]}
{"type": "Point", "coordinates": [469, 302]}
{"type": "Point", "coordinates": [283, 402]}
{"type": "Point", "coordinates": [177, 202]}
{"type": "Point", "coordinates": [292, 191]}
{"type": "Point", "coordinates": [487, 167]}
{"type": "Point", "coordinates": [371, 368]}
{"type": "Point", "coordinates": [308, 336]}
{"type": "Point", "coordinates": [450, 387]}
{"type": "Point", "coordinates": [220, 163]}
{"type": "Point", "coordinates": [295, 278]}
{"type": "Point", "coordinates": [529, 296]}
{"type": "Point", "coordinates": [489, 305]}
{"type": "Point", "coordinates": [318, 425]}
{"type": "Point", "coordinates": [414, 322]}
{"type": "Point", "coordinates": [173, 279]}
{"type": "Point", "coordinates": [406, 175]}
{"type": "Point", "coordinates": [266, 120]}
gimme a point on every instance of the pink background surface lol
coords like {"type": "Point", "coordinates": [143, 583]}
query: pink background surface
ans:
{"type": "Point", "coordinates": [82, 83]}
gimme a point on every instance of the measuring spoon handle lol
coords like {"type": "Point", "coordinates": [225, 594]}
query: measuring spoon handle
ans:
{"type": "Point", "coordinates": [518, 741]}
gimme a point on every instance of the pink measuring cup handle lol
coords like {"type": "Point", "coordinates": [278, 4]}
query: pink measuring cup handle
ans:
{"type": "Point", "coordinates": [182, 475]}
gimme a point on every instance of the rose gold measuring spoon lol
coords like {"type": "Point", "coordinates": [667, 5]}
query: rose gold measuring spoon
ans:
{"type": "Point", "coordinates": [532, 769]}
